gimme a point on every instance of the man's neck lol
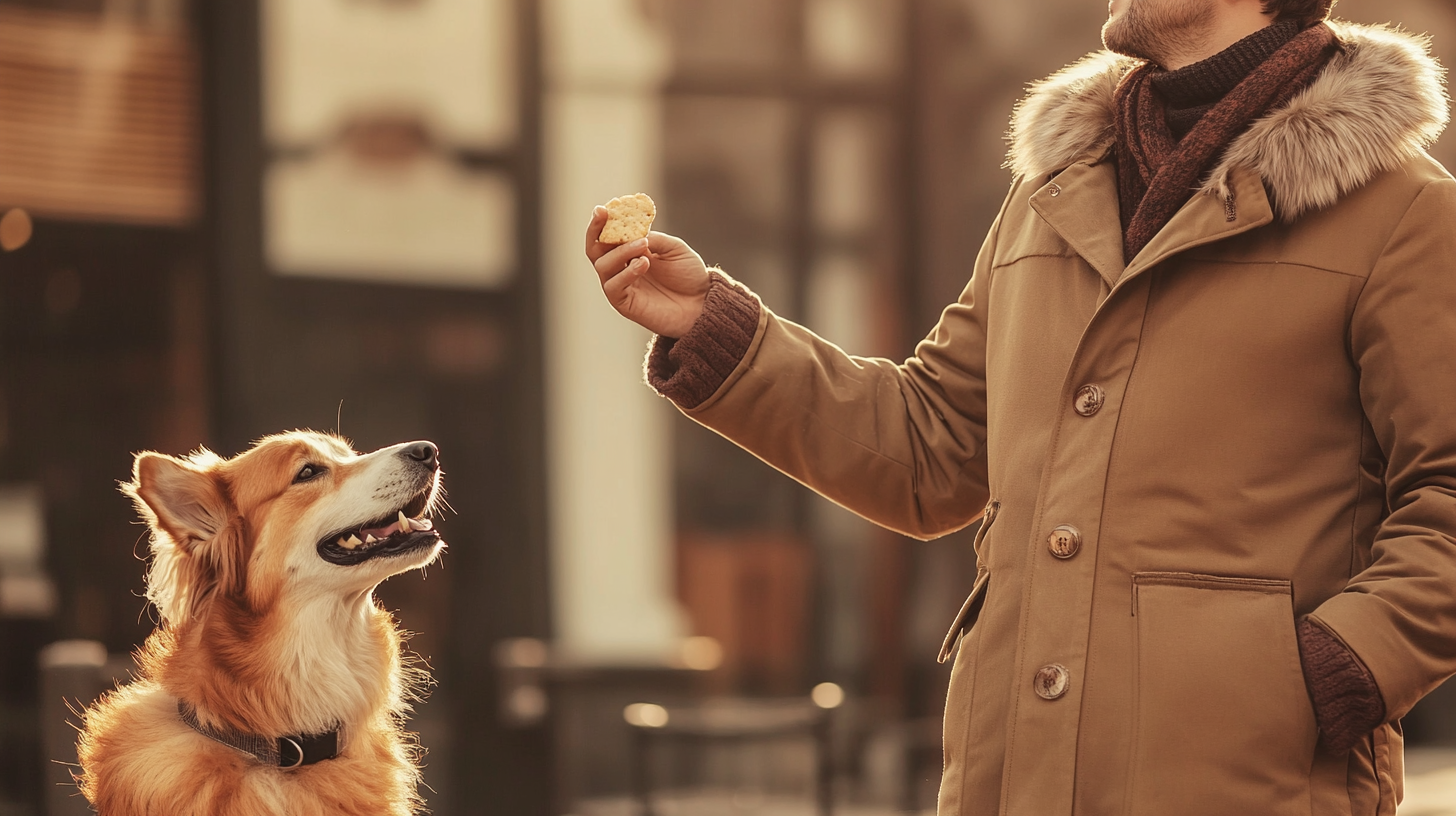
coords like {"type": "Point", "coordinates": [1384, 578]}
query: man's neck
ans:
{"type": "Point", "coordinates": [1232, 24]}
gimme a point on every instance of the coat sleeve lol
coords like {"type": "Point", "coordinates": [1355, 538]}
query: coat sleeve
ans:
{"type": "Point", "coordinates": [903, 445]}
{"type": "Point", "coordinates": [1399, 614]}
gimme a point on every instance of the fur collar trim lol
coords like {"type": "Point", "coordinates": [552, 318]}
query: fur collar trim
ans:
{"type": "Point", "coordinates": [1380, 101]}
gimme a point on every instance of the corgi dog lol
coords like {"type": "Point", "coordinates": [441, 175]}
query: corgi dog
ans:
{"type": "Point", "coordinates": [274, 683]}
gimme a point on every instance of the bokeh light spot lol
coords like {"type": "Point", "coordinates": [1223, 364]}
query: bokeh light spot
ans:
{"type": "Point", "coordinates": [15, 229]}
{"type": "Point", "coordinates": [527, 653]}
{"type": "Point", "coordinates": [702, 653]}
{"type": "Point", "coordinates": [645, 715]}
{"type": "Point", "coordinates": [827, 695]}
{"type": "Point", "coordinates": [529, 703]}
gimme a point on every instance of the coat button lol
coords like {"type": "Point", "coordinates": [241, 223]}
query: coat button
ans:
{"type": "Point", "coordinates": [1089, 400]}
{"type": "Point", "coordinates": [1065, 541]}
{"type": "Point", "coordinates": [1054, 190]}
{"type": "Point", "coordinates": [1051, 682]}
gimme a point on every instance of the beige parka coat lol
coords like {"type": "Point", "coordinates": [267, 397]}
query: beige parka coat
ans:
{"type": "Point", "coordinates": [1179, 455]}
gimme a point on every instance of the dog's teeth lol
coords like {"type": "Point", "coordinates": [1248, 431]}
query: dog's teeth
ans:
{"type": "Point", "coordinates": [369, 538]}
{"type": "Point", "coordinates": [404, 522]}
{"type": "Point", "coordinates": [349, 543]}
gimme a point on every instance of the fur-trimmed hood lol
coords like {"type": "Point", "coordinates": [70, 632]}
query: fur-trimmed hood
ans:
{"type": "Point", "coordinates": [1381, 100]}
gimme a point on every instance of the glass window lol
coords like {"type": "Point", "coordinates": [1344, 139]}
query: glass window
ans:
{"type": "Point", "coordinates": [858, 39]}
{"type": "Point", "coordinates": [711, 36]}
{"type": "Point", "coordinates": [451, 63]}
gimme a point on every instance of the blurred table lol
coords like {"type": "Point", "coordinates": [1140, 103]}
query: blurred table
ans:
{"type": "Point", "coordinates": [732, 721]}
{"type": "Point", "coordinates": [579, 702]}
{"type": "Point", "coordinates": [722, 804]}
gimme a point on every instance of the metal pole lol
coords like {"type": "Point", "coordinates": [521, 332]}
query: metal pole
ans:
{"type": "Point", "coordinates": [641, 778]}
{"type": "Point", "coordinates": [825, 769]}
{"type": "Point", "coordinates": [72, 674]}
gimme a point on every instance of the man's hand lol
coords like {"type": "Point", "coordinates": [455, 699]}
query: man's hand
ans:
{"type": "Point", "coordinates": [657, 282]}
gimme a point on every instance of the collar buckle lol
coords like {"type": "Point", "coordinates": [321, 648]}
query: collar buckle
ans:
{"type": "Point", "coordinates": [286, 753]}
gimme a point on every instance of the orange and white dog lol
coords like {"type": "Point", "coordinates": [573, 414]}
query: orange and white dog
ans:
{"type": "Point", "coordinates": [274, 684]}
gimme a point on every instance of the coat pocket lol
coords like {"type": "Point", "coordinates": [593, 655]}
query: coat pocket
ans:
{"type": "Point", "coordinates": [971, 609]}
{"type": "Point", "coordinates": [1223, 723]}
{"type": "Point", "coordinates": [966, 618]}
{"type": "Point", "coordinates": [1389, 750]}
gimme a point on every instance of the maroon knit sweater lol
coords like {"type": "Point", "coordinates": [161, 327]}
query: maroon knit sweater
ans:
{"type": "Point", "coordinates": [690, 370]}
{"type": "Point", "coordinates": [1347, 703]}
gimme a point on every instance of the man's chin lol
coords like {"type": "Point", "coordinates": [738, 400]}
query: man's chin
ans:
{"type": "Point", "coordinates": [1115, 39]}
{"type": "Point", "coordinates": [1130, 35]}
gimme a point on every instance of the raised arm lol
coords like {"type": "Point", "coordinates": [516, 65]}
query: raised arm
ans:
{"type": "Point", "coordinates": [900, 444]}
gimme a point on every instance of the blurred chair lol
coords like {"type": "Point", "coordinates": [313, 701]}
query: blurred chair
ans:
{"type": "Point", "coordinates": [736, 722]}
{"type": "Point", "coordinates": [73, 673]}
{"type": "Point", "coordinates": [578, 700]}
{"type": "Point", "coordinates": [922, 752]}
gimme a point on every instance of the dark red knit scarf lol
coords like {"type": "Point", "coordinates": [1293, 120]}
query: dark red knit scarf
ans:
{"type": "Point", "coordinates": [1157, 174]}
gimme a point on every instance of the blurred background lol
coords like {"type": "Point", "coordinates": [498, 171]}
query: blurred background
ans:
{"type": "Point", "coordinates": [224, 219]}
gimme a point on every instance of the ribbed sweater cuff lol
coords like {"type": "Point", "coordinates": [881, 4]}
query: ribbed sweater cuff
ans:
{"type": "Point", "coordinates": [692, 368]}
{"type": "Point", "coordinates": [1347, 703]}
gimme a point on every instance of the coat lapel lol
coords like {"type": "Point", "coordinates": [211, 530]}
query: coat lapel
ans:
{"type": "Point", "coordinates": [1080, 203]}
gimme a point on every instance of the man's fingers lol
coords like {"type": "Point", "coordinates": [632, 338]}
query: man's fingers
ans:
{"type": "Point", "coordinates": [616, 286]}
{"type": "Point", "coordinates": [594, 248]}
{"type": "Point", "coordinates": [662, 244]}
{"type": "Point", "coordinates": [616, 259]}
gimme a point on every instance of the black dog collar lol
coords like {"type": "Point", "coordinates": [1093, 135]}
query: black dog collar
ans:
{"type": "Point", "coordinates": [284, 752]}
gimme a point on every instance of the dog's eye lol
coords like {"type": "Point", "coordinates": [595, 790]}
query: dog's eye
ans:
{"type": "Point", "coordinates": [307, 472]}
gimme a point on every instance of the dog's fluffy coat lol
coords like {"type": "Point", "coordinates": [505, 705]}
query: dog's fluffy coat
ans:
{"type": "Point", "coordinates": [262, 635]}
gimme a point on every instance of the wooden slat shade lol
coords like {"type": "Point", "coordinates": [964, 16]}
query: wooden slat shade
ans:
{"type": "Point", "coordinates": [98, 118]}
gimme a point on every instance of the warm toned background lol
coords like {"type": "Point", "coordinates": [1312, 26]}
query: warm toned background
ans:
{"type": "Point", "coordinates": [224, 219]}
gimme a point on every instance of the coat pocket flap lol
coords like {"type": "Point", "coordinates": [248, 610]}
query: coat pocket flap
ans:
{"type": "Point", "coordinates": [1190, 580]}
{"type": "Point", "coordinates": [966, 618]}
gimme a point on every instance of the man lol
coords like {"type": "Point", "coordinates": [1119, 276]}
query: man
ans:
{"type": "Point", "coordinates": [1201, 381]}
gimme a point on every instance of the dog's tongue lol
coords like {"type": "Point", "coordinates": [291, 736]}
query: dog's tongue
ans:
{"type": "Point", "coordinates": [380, 532]}
{"type": "Point", "coordinates": [402, 525]}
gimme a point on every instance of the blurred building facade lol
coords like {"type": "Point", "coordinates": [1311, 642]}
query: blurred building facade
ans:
{"type": "Point", "coordinates": [366, 216]}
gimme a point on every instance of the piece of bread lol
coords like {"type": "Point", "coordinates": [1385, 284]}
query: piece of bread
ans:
{"type": "Point", "coordinates": [628, 218]}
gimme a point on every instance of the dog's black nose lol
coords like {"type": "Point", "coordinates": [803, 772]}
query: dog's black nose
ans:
{"type": "Point", "coordinates": [423, 452]}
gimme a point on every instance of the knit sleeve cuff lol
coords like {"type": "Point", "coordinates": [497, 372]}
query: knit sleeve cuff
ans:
{"type": "Point", "coordinates": [1347, 703]}
{"type": "Point", "coordinates": [692, 368]}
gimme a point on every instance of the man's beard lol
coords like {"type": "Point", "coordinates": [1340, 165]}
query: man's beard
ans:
{"type": "Point", "coordinates": [1159, 30]}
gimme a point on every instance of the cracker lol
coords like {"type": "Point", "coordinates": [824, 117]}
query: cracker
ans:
{"type": "Point", "coordinates": [628, 219]}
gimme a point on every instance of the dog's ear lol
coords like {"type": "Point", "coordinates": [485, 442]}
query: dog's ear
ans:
{"type": "Point", "coordinates": [197, 544]}
{"type": "Point", "coordinates": [177, 499]}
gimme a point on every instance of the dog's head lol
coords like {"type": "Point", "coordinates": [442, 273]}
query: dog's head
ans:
{"type": "Point", "coordinates": [299, 512]}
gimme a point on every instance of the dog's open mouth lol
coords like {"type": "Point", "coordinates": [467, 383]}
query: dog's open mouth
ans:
{"type": "Point", "coordinates": [404, 531]}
